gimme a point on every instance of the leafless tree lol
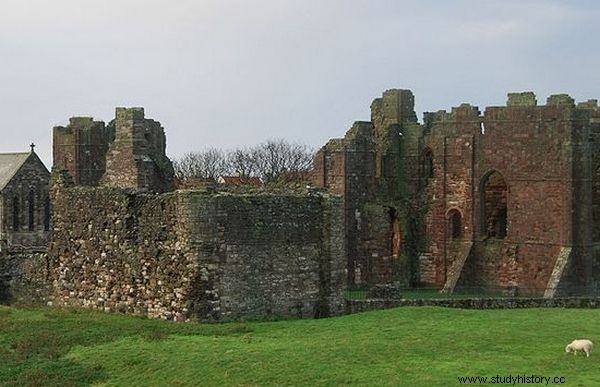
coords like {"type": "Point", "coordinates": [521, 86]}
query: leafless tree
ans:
{"type": "Point", "coordinates": [207, 164]}
{"type": "Point", "coordinates": [279, 158]}
{"type": "Point", "coordinates": [242, 161]}
{"type": "Point", "coordinates": [273, 160]}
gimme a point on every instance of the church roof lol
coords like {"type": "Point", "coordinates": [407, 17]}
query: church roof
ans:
{"type": "Point", "coordinates": [10, 163]}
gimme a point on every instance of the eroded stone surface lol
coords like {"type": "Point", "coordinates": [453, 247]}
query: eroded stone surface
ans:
{"type": "Point", "coordinates": [520, 182]}
{"type": "Point", "coordinates": [197, 255]}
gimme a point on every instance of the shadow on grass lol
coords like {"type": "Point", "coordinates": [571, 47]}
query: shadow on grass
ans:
{"type": "Point", "coordinates": [61, 372]}
{"type": "Point", "coordinates": [33, 342]}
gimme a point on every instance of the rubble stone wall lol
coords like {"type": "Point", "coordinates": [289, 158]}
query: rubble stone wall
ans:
{"type": "Point", "coordinates": [193, 255]}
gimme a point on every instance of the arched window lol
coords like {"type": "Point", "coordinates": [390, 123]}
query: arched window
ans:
{"type": "Point", "coordinates": [455, 226]}
{"type": "Point", "coordinates": [16, 214]}
{"type": "Point", "coordinates": [31, 210]}
{"type": "Point", "coordinates": [427, 163]}
{"type": "Point", "coordinates": [494, 198]}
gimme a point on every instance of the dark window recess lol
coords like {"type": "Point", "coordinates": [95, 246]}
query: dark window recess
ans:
{"type": "Point", "coordinates": [16, 214]}
{"type": "Point", "coordinates": [47, 214]}
{"type": "Point", "coordinates": [31, 210]}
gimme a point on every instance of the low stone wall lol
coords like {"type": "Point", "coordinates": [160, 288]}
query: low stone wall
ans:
{"type": "Point", "coordinates": [197, 255]}
{"type": "Point", "coordinates": [358, 306]}
{"type": "Point", "coordinates": [116, 251]}
{"type": "Point", "coordinates": [267, 256]}
{"type": "Point", "coordinates": [24, 278]}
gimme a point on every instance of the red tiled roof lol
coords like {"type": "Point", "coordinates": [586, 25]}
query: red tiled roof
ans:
{"type": "Point", "coordinates": [240, 180]}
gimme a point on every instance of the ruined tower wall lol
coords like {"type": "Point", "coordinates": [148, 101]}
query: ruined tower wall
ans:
{"type": "Point", "coordinates": [195, 255]}
{"type": "Point", "coordinates": [80, 148]}
{"type": "Point", "coordinates": [329, 168]}
{"type": "Point", "coordinates": [583, 272]}
{"type": "Point", "coordinates": [269, 256]}
{"type": "Point", "coordinates": [507, 199]}
{"type": "Point", "coordinates": [360, 188]}
{"type": "Point", "coordinates": [541, 153]}
{"type": "Point", "coordinates": [591, 112]}
{"type": "Point", "coordinates": [396, 134]}
{"type": "Point", "coordinates": [136, 158]}
{"type": "Point", "coordinates": [347, 167]}
{"type": "Point", "coordinates": [449, 188]}
{"type": "Point", "coordinates": [531, 147]}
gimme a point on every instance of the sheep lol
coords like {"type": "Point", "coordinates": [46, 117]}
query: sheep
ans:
{"type": "Point", "coordinates": [583, 345]}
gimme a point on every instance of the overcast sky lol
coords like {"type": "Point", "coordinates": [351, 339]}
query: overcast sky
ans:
{"type": "Point", "coordinates": [227, 73]}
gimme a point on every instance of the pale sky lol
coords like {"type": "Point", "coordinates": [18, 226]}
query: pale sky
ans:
{"type": "Point", "coordinates": [228, 73]}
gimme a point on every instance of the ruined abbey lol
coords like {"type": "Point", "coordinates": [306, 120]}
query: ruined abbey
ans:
{"type": "Point", "coordinates": [507, 199]}
{"type": "Point", "coordinates": [121, 239]}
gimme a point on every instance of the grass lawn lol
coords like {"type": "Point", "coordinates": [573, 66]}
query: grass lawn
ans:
{"type": "Point", "coordinates": [407, 346]}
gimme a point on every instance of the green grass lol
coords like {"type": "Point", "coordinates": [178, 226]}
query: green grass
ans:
{"type": "Point", "coordinates": [406, 346]}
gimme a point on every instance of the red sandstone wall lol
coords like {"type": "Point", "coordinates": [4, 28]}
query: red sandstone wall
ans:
{"type": "Point", "coordinates": [544, 155]}
{"type": "Point", "coordinates": [530, 147]}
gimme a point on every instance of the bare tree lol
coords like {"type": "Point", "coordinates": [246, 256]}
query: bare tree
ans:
{"type": "Point", "coordinates": [279, 158]}
{"type": "Point", "coordinates": [207, 164]}
{"type": "Point", "coordinates": [272, 161]}
{"type": "Point", "coordinates": [242, 162]}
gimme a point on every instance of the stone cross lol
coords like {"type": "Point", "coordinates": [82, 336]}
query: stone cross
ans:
{"type": "Point", "coordinates": [32, 146]}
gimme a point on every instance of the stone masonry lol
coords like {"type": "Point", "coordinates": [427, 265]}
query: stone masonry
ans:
{"type": "Point", "coordinates": [483, 200]}
{"type": "Point", "coordinates": [507, 199]}
{"type": "Point", "coordinates": [194, 255]}
{"type": "Point", "coordinates": [123, 241]}
{"type": "Point", "coordinates": [81, 147]}
{"type": "Point", "coordinates": [136, 158]}
{"type": "Point", "coordinates": [127, 153]}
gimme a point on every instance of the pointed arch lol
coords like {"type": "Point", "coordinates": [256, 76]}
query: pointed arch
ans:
{"type": "Point", "coordinates": [454, 220]}
{"type": "Point", "coordinates": [494, 205]}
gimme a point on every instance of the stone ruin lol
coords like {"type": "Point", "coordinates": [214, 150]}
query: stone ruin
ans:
{"type": "Point", "coordinates": [508, 199]}
{"type": "Point", "coordinates": [505, 199]}
{"type": "Point", "coordinates": [129, 152]}
{"type": "Point", "coordinates": [123, 241]}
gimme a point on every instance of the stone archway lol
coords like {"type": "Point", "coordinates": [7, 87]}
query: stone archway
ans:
{"type": "Point", "coordinates": [494, 199]}
{"type": "Point", "coordinates": [455, 224]}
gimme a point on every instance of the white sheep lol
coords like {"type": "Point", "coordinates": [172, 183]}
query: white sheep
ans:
{"type": "Point", "coordinates": [583, 345]}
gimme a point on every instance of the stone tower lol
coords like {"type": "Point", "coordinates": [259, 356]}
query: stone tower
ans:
{"type": "Point", "coordinates": [136, 158]}
{"type": "Point", "coordinates": [507, 199]}
{"type": "Point", "coordinates": [80, 149]}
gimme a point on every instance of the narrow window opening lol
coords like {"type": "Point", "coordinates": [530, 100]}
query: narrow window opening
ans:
{"type": "Point", "coordinates": [395, 233]}
{"type": "Point", "coordinates": [31, 210]}
{"type": "Point", "coordinates": [428, 164]}
{"type": "Point", "coordinates": [47, 214]}
{"type": "Point", "coordinates": [455, 227]}
{"type": "Point", "coordinates": [16, 214]}
{"type": "Point", "coordinates": [494, 199]}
